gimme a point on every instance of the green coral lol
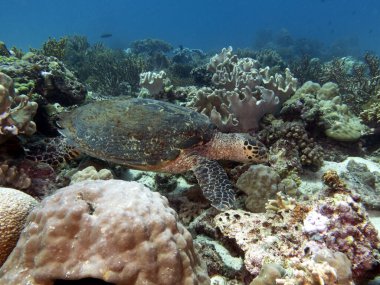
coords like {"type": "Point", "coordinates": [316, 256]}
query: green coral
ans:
{"type": "Point", "coordinates": [53, 47]}
{"type": "Point", "coordinates": [323, 105]}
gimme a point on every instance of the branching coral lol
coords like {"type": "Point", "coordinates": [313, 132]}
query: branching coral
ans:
{"type": "Point", "coordinates": [357, 80]}
{"type": "Point", "coordinates": [16, 112]}
{"type": "Point", "coordinates": [53, 47]}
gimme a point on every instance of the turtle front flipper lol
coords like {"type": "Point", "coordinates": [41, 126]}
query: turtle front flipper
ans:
{"type": "Point", "coordinates": [214, 182]}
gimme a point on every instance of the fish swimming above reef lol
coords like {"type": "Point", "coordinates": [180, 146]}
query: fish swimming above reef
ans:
{"type": "Point", "coordinates": [106, 35]}
{"type": "Point", "coordinates": [158, 136]}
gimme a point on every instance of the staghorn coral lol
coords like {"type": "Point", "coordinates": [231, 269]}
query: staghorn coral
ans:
{"type": "Point", "coordinates": [135, 239]}
{"type": "Point", "coordinates": [14, 208]}
{"type": "Point", "coordinates": [16, 112]}
{"type": "Point", "coordinates": [357, 80]}
{"type": "Point", "coordinates": [243, 93]}
{"type": "Point", "coordinates": [371, 114]}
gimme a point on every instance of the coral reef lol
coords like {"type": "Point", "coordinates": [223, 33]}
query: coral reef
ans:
{"type": "Point", "coordinates": [14, 209]}
{"type": "Point", "coordinates": [260, 183]}
{"type": "Point", "coordinates": [323, 104]}
{"type": "Point", "coordinates": [291, 147]}
{"type": "Point", "coordinates": [135, 239]}
{"type": "Point", "coordinates": [357, 80]}
{"type": "Point", "coordinates": [153, 82]}
{"type": "Point", "coordinates": [4, 50]}
{"type": "Point", "coordinates": [90, 173]}
{"type": "Point", "coordinates": [244, 93]}
{"type": "Point", "coordinates": [16, 111]}
{"type": "Point", "coordinates": [12, 176]}
{"type": "Point", "coordinates": [53, 47]}
{"type": "Point", "coordinates": [47, 78]}
{"type": "Point", "coordinates": [153, 51]}
{"type": "Point", "coordinates": [338, 223]}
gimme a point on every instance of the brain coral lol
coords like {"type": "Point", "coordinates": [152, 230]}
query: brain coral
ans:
{"type": "Point", "coordinates": [115, 231]}
{"type": "Point", "coordinates": [14, 208]}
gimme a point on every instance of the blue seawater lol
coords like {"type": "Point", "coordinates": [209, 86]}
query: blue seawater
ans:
{"type": "Point", "coordinates": [204, 24]}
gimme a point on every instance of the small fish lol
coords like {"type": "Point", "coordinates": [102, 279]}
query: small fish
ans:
{"type": "Point", "coordinates": [106, 35]}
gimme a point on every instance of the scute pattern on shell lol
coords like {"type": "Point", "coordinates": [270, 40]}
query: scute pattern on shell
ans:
{"type": "Point", "coordinates": [139, 133]}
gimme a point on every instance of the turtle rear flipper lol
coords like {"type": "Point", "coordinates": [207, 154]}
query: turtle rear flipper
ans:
{"type": "Point", "coordinates": [215, 185]}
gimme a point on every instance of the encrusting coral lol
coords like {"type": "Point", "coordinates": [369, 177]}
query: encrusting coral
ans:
{"type": "Point", "coordinates": [115, 231]}
{"type": "Point", "coordinates": [293, 234]}
{"type": "Point", "coordinates": [16, 112]}
{"type": "Point", "coordinates": [14, 209]}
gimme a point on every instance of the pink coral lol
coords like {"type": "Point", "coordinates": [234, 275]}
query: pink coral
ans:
{"type": "Point", "coordinates": [287, 236]}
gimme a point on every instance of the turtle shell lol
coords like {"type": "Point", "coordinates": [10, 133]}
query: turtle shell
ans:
{"type": "Point", "coordinates": [139, 133]}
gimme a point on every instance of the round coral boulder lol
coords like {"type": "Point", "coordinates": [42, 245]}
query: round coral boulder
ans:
{"type": "Point", "coordinates": [14, 208]}
{"type": "Point", "coordinates": [116, 231]}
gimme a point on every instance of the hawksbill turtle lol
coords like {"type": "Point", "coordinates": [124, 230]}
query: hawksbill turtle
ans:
{"type": "Point", "coordinates": [158, 136]}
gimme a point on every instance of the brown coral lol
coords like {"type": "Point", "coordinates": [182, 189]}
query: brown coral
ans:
{"type": "Point", "coordinates": [333, 181]}
{"type": "Point", "coordinates": [115, 231]}
{"type": "Point", "coordinates": [291, 138]}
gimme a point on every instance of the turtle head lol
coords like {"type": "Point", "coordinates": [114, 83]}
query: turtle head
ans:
{"type": "Point", "coordinates": [238, 147]}
{"type": "Point", "coordinates": [253, 150]}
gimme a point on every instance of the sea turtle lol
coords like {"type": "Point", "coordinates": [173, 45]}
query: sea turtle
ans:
{"type": "Point", "coordinates": [158, 136]}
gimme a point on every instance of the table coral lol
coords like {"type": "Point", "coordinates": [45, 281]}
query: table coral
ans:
{"type": "Point", "coordinates": [16, 112]}
{"type": "Point", "coordinates": [115, 231]}
{"type": "Point", "coordinates": [14, 208]}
